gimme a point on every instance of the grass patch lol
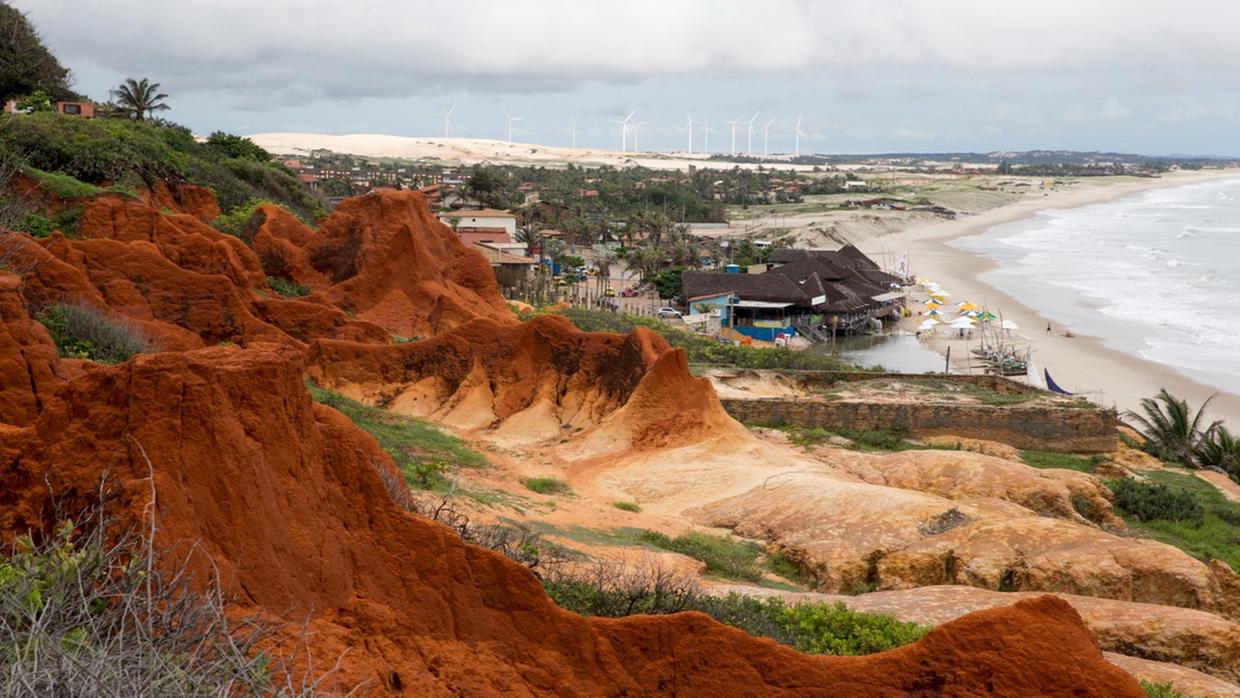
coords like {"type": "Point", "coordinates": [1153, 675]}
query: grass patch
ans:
{"type": "Point", "coordinates": [1182, 510]}
{"type": "Point", "coordinates": [422, 452]}
{"type": "Point", "coordinates": [1159, 690]}
{"type": "Point", "coordinates": [546, 485]}
{"type": "Point", "coordinates": [728, 558]}
{"type": "Point", "coordinates": [814, 628]}
{"type": "Point", "coordinates": [67, 187]}
{"type": "Point", "coordinates": [287, 288]}
{"type": "Point", "coordinates": [1050, 459]}
{"type": "Point", "coordinates": [627, 506]}
{"type": "Point", "coordinates": [702, 349]}
{"type": "Point", "coordinates": [82, 332]}
{"type": "Point", "coordinates": [875, 441]}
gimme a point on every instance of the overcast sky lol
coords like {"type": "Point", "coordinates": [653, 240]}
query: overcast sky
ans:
{"type": "Point", "coordinates": [1147, 76]}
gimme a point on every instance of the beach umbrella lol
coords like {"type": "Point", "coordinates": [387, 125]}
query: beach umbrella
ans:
{"type": "Point", "coordinates": [939, 293]}
{"type": "Point", "coordinates": [933, 306]}
{"type": "Point", "coordinates": [987, 316]}
{"type": "Point", "coordinates": [934, 313]}
{"type": "Point", "coordinates": [968, 306]}
{"type": "Point", "coordinates": [963, 323]}
{"type": "Point", "coordinates": [1009, 325]}
{"type": "Point", "coordinates": [930, 322]}
{"type": "Point", "coordinates": [929, 301]}
{"type": "Point", "coordinates": [970, 313]}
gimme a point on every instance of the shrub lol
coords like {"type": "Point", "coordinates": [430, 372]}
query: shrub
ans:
{"type": "Point", "coordinates": [1050, 459]}
{"type": "Point", "coordinates": [242, 221]}
{"type": "Point", "coordinates": [38, 226]}
{"type": "Point", "coordinates": [546, 485]}
{"type": "Point", "coordinates": [1148, 502]}
{"type": "Point", "coordinates": [627, 506]}
{"type": "Point", "coordinates": [287, 288]}
{"type": "Point", "coordinates": [87, 613]}
{"type": "Point", "coordinates": [82, 332]}
{"type": "Point", "coordinates": [1160, 690]}
{"type": "Point", "coordinates": [237, 147]}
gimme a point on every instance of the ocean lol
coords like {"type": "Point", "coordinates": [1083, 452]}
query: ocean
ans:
{"type": "Point", "coordinates": [1156, 274]}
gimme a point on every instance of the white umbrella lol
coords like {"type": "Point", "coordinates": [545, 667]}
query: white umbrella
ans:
{"type": "Point", "coordinates": [964, 323]}
{"type": "Point", "coordinates": [1009, 325]}
{"type": "Point", "coordinates": [927, 325]}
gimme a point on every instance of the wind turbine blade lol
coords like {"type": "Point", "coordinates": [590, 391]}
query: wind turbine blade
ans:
{"type": "Point", "coordinates": [630, 116]}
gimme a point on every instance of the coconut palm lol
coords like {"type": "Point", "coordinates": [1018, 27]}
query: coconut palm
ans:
{"type": "Point", "coordinates": [1170, 428]}
{"type": "Point", "coordinates": [138, 98]}
{"type": "Point", "coordinates": [1219, 448]}
{"type": "Point", "coordinates": [645, 261]}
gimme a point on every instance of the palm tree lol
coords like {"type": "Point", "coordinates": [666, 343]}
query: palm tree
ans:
{"type": "Point", "coordinates": [1219, 448]}
{"type": "Point", "coordinates": [138, 98]}
{"type": "Point", "coordinates": [643, 260]}
{"type": "Point", "coordinates": [1170, 428]}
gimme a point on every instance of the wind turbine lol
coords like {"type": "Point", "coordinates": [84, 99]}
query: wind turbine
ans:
{"type": "Point", "coordinates": [624, 130]}
{"type": "Point", "coordinates": [706, 131]}
{"type": "Point", "coordinates": [689, 125]}
{"type": "Point", "coordinates": [733, 123]}
{"type": "Point", "coordinates": [573, 126]}
{"type": "Point", "coordinates": [766, 133]}
{"type": "Point", "coordinates": [798, 133]}
{"type": "Point", "coordinates": [637, 128]}
{"type": "Point", "coordinates": [447, 120]}
{"type": "Point", "coordinates": [511, 119]}
{"type": "Point", "coordinates": [749, 130]}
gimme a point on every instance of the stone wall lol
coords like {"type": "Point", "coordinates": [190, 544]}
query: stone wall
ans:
{"type": "Point", "coordinates": [997, 384]}
{"type": "Point", "coordinates": [1044, 427]}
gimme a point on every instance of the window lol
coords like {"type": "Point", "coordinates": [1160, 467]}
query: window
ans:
{"type": "Point", "coordinates": [73, 109]}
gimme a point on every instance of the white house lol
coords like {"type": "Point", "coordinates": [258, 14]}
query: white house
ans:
{"type": "Point", "coordinates": [487, 218]}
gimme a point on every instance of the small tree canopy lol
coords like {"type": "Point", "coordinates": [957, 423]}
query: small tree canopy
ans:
{"type": "Point", "coordinates": [25, 63]}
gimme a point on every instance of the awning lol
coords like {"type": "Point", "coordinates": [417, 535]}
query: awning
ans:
{"type": "Point", "coordinates": [760, 304]}
{"type": "Point", "coordinates": [890, 296]}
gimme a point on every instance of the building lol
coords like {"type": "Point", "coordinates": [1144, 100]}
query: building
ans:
{"type": "Point", "coordinates": [512, 267]}
{"type": "Point", "coordinates": [811, 292]}
{"type": "Point", "coordinates": [487, 218]}
{"type": "Point", "coordinates": [86, 110]}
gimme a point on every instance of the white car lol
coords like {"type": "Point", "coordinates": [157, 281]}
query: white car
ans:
{"type": "Point", "coordinates": [666, 312]}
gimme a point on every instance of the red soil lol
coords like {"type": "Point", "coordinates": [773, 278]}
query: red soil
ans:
{"type": "Point", "coordinates": [283, 497]}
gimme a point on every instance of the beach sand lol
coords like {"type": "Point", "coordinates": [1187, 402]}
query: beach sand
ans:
{"type": "Point", "coordinates": [1080, 363]}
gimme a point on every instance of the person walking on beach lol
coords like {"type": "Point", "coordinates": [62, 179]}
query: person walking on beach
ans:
{"type": "Point", "coordinates": [1048, 328]}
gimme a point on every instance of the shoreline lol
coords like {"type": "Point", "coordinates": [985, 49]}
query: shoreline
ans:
{"type": "Point", "coordinates": [1083, 363]}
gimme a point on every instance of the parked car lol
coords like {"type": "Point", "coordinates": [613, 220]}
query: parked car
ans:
{"type": "Point", "coordinates": [629, 292]}
{"type": "Point", "coordinates": [666, 312]}
{"type": "Point", "coordinates": [610, 292]}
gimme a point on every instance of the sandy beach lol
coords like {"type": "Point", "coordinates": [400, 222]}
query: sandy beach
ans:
{"type": "Point", "coordinates": [1078, 363]}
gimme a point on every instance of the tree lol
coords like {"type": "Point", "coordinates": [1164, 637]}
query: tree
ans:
{"type": "Point", "coordinates": [237, 147]}
{"type": "Point", "coordinates": [644, 261]}
{"type": "Point", "coordinates": [25, 63]}
{"type": "Point", "coordinates": [36, 101]}
{"type": "Point", "coordinates": [667, 283]}
{"type": "Point", "coordinates": [1170, 428]}
{"type": "Point", "coordinates": [137, 99]}
{"type": "Point", "coordinates": [1219, 448]}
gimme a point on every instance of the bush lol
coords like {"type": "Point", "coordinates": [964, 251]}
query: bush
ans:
{"type": "Point", "coordinates": [627, 506]}
{"type": "Point", "coordinates": [242, 221]}
{"type": "Point", "coordinates": [724, 557]}
{"type": "Point", "coordinates": [237, 147]}
{"type": "Point", "coordinates": [38, 226]}
{"type": "Point", "coordinates": [1050, 459]}
{"type": "Point", "coordinates": [1160, 690]}
{"type": "Point", "coordinates": [546, 485]}
{"type": "Point", "coordinates": [82, 332]}
{"type": "Point", "coordinates": [1148, 502]}
{"type": "Point", "coordinates": [86, 613]}
{"type": "Point", "coordinates": [287, 288]}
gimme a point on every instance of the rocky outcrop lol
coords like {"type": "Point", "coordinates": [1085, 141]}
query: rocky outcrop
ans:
{"type": "Point", "coordinates": [29, 367]}
{"type": "Point", "coordinates": [384, 258]}
{"type": "Point", "coordinates": [283, 498]}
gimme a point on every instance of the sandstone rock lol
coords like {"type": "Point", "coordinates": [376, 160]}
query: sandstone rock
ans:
{"type": "Point", "coordinates": [1190, 683]}
{"type": "Point", "coordinates": [29, 367]}
{"type": "Point", "coordinates": [988, 448]}
{"type": "Point", "coordinates": [284, 497]}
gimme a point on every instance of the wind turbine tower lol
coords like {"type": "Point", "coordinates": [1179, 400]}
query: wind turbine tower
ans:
{"type": "Point", "coordinates": [637, 128]}
{"type": "Point", "coordinates": [624, 130]}
{"type": "Point", "coordinates": [447, 121]}
{"type": "Point", "coordinates": [796, 153]}
{"type": "Point", "coordinates": [749, 131]}
{"type": "Point", "coordinates": [706, 131]}
{"type": "Point", "coordinates": [511, 119]}
{"type": "Point", "coordinates": [733, 123]}
{"type": "Point", "coordinates": [689, 125]}
{"type": "Point", "coordinates": [573, 127]}
{"type": "Point", "coordinates": [766, 134]}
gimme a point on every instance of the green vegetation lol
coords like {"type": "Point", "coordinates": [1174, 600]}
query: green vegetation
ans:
{"type": "Point", "coordinates": [724, 557]}
{"type": "Point", "coordinates": [27, 66]}
{"type": "Point", "coordinates": [816, 628]}
{"type": "Point", "coordinates": [1160, 690]}
{"type": "Point", "coordinates": [546, 485]}
{"type": "Point", "coordinates": [138, 99]}
{"type": "Point", "coordinates": [131, 154]}
{"type": "Point", "coordinates": [242, 221]}
{"type": "Point", "coordinates": [83, 613]}
{"type": "Point", "coordinates": [627, 506]}
{"type": "Point", "coordinates": [423, 453]}
{"type": "Point", "coordinates": [873, 441]}
{"type": "Point", "coordinates": [66, 187]}
{"type": "Point", "coordinates": [1219, 448]}
{"type": "Point", "coordinates": [36, 225]}
{"type": "Point", "coordinates": [702, 349]}
{"type": "Point", "coordinates": [1171, 429]}
{"type": "Point", "coordinates": [1050, 459]}
{"type": "Point", "coordinates": [287, 288]}
{"type": "Point", "coordinates": [1182, 510]}
{"type": "Point", "coordinates": [82, 332]}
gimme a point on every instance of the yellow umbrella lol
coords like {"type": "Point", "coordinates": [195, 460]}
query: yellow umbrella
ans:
{"type": "Point", "coordinates": [968, 306]}
{"type": "Point", "coordinates": [932, 306]}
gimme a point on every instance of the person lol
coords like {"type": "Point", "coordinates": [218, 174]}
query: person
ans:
{"type": "Point", "coordinates": [1048, 328]}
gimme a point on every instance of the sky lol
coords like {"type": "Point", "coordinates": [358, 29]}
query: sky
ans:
{"type": "Point", "coordinates": [1139, 76]}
